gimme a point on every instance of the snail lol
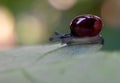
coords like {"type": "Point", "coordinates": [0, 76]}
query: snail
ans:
{"type": "Point", "coordinates": [85, 29]}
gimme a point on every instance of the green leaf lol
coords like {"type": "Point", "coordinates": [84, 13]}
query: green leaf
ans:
{"type": "Point", "coordinates": [59, 64]}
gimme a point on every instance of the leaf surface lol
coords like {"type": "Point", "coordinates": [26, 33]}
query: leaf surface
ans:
{"type": "Point", "coordinates": [59, 64]}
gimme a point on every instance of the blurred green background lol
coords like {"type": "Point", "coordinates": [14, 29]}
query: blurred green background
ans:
{"type": "Point", "coordinates": [32, 22]}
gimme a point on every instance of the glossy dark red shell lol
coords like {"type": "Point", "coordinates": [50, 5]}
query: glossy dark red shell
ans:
{"type": "Point", "coordinates": [86, 26]}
